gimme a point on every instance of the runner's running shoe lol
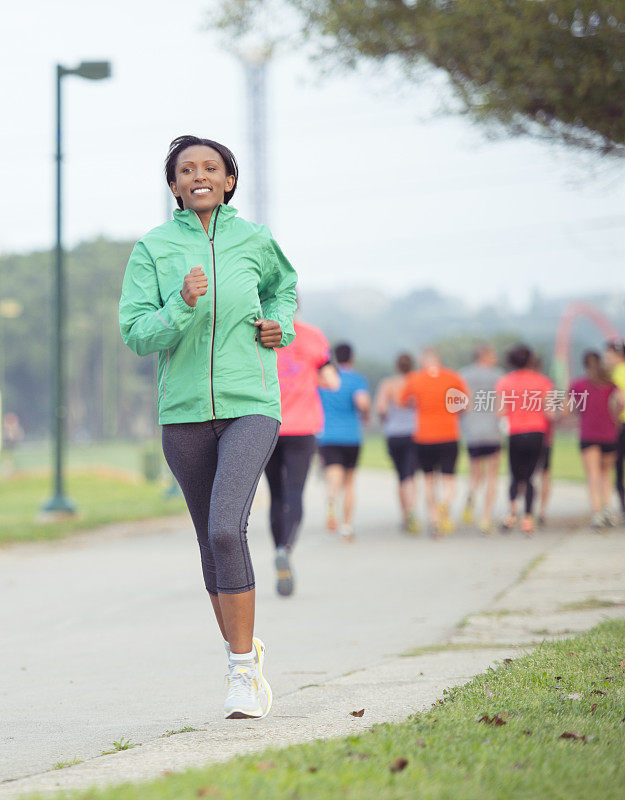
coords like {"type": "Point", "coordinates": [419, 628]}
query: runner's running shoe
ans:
{"type": "Point", "coordinates": [249, 694]}
{"type": "Point", "coordinates": [445, 522]}
{"type": "Point", "coordinates": [468, 516]}
{"type": "Point", "coordinates": [411, 525]}
{"type": "Point", "coordinates": [285, 583]}
{"type": "Point", "coordinates": [347, 533]}
{"type": "Point", "coordinates": [486, 527]}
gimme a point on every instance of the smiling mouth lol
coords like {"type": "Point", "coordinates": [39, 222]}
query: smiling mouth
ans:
{"type": "Point", "coordinates": [201, 190]}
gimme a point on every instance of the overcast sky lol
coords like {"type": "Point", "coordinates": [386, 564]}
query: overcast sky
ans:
{"type": "Point", "coordinates": [368, 183]}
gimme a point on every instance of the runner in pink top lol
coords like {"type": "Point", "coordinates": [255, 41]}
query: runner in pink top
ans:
{"type": "Point", "coordinates": [303, 367]}
{"type": "Point", "coordinates": [522, 396]}
{"type": "Point", "coordinates": [598, 403]}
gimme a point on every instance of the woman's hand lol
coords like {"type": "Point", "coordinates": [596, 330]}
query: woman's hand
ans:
{"type": "Point", "coordinates": [195, 284]}
{"type": "Point", "coordinates": [270, 332]}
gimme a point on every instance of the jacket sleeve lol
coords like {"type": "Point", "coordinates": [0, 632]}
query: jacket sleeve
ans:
{"type": "Point", "coordinates": [146, 325]}
{"type": "Point", "coordinates": [277, 290]}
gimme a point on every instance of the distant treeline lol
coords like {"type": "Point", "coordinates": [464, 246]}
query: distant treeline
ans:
{"type": "Point", "coordinates": [111, 391]}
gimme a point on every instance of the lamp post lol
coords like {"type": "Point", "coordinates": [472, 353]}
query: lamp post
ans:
{"type": "Point", "coordinates": [59, 504]}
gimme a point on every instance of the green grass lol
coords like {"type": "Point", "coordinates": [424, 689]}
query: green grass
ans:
{"type": "Point", "coordinates": [65, 764]}
{"type": "Point", "coordinates": [121, 744]}
{"type": "Point", "coordinates": [451, 752]}
{"type": "Point", "coordinates": [100, 498]}
{"type": "Point", "coordinates": [186, 729]}
{"type": "Point", "coordinates": [587, 605]}
{"type": "Point", "coordinates": [566, 463]}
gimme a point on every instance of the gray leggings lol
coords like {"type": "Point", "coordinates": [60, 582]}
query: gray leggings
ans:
{"type": "Point", "coordinates": [218, 464]}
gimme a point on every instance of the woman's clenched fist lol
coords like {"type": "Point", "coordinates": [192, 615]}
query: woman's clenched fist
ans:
{"type": "Point", "coordinates": [195, 284]}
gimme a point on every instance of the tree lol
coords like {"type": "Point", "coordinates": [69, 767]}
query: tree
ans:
{"type": "Point", "coordinates": [554, 67]}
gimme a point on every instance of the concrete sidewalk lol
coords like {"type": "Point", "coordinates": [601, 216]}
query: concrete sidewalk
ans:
{"type": "Point", "coordinates": [113, 636]}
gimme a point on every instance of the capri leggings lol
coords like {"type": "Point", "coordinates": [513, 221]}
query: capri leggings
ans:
{"type": "Point", "coordinates": [524, 452]}
{"type": "Point", "coordinates": [218, 464]}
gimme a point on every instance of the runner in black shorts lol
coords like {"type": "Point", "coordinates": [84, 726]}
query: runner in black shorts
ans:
{"type": "Point", "coordinates": [439, 457]}
{"type": "Point", "coordinates": [345, 411]}
{"type": "Point", "coordinates": [399, 423]}
{"type": "Point", "coordinates": [482, 435]}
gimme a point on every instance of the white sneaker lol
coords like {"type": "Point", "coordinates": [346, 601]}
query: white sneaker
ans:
{"type": "Point", "coordinates": [347, 532]}
{"type": "Point", "coordinates": [242, 699]}
{"type": "Point", "coordinates": [249, 694]}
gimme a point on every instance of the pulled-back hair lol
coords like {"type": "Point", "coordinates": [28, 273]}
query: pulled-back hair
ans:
{"type": "Point", "coordinates": [181, 143]}
{"type": "Point", "coordinates": [343, 353]}
{"type": "Point", "coordinates": [595, 367]}
{"type": "Point", "coordinates": [404, 363]}
{"type": "Point", "coordinates": [520, 357]}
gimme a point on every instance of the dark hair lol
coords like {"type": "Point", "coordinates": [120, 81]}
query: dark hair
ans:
{"type": "Point", "coordinates": [616, 346]}
{"type": "Point", "coordinates": [181, 143]}
{"type": "Point", "coordinates": [343, 353]}
{"type": "Point", "coordinates": [404, 363]}
{"type": "Point", "coordinates": [520, 356]}
{"type": "Point", "coordinates": [595, 367]}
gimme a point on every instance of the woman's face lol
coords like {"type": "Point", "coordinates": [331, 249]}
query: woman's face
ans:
{"type": "Point", "coordinates": [201, 180]}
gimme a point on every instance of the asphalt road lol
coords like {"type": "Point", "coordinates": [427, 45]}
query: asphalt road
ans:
{"type": "Point", "coordinates": [111, 634]}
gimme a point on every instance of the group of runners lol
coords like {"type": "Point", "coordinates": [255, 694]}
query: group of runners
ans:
{"type": "Point", "coordinates": [245, 388]}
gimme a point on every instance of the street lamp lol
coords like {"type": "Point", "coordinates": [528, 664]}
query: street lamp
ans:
{"type": "Point", "coordinates": [93, 71]}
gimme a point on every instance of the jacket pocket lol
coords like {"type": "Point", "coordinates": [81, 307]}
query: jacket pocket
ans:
{"type": "Point", "coordinates": [260, 361]}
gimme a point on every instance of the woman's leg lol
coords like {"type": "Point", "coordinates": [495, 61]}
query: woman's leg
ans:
{"type": "Point", "coordinates": [277, 510]}
{"type": "Point", "coordinates": [607, 465]}
{"type": "Point", "coordinates": [492, 471]}
{"type": "Point", "coordinates": [591, 458]}
{"type": "Point", "coordinates": [190, 449]}
{"type": "Point", "coordinates": [297, 455]}
{"type": "Point", "coordinates": [515, 459]}
{"type": "Point", "coordinates": [532, 447]}
{"type": "Point", "coordinates": [620, 459]}
{"type": "Point", "coordinates": [244, 447]}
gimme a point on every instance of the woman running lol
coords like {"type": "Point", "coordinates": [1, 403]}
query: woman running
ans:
{"type": "Point", "coordinates": [615, 361]}
{"type": "Point", "coordinates": [598, 403]}
{"type": "Point", "coordinates": [214, 295]}
{"type": "Point", "coordinates": [399, 425]}
{"type": "Point", "coordinates": [521, 394]}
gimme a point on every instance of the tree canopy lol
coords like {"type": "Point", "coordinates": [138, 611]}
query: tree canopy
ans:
{"type": "Point", "coordinates": [551, 66]}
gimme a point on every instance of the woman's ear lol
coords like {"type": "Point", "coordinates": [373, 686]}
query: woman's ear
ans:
{"type": "Point", "coordinates": [229, 184]}
{"type": "Point", "coordinates": [174, 189]}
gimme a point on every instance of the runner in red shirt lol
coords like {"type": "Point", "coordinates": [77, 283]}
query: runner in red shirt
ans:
{"type": "Point", "coordinates": [303, 367]}
{"type": "Point", "coordinates": [522, 396]}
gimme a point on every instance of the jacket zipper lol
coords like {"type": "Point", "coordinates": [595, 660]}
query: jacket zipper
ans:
{"type": "Point", "coordinates": [262, 366]}
{"type": "Point", "coordinates": [212, 243]}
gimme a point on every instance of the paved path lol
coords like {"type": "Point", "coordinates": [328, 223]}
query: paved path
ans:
{"type": "Point", "coordinates": [110, 634]}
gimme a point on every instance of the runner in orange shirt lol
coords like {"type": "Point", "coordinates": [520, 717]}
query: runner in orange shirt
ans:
{"type": "Point", "coordinates": [439, 396]}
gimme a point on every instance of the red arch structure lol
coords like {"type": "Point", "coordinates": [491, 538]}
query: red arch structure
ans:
{"type": "Point", "coordinates": [563, 337]}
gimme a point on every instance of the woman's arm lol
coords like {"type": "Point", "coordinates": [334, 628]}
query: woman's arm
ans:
{"type": "Point", "coordinates": [145, 324]}
{"type": "Point", "coordinates": [277, 290]}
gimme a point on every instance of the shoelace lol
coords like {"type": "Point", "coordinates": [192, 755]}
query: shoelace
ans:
{"type": "Point", "coordinates": [241, 682]}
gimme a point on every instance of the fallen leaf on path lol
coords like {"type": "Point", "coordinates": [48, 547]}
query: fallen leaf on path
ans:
{"type": "Point", "coordinates": [357, 713]}
{"type": "Point", "coordinates": [558, 677]}
{"type": "Point", "coordinates": [398, 764]}
{"type": "Point", "coordinates": [593, 708]}
{"type": "Point", "coordinates": [598, 691]}
{"type": "Point", "coordinates": [263, 766]}
{"type": "Point", "coordinates": [572, 735]}
{"type": "Point", "coordinates": [527, 733]}
{"type": "Point", "coordinates": [507, 661]}
{"type": "Point", "coordinates": [313, 769]}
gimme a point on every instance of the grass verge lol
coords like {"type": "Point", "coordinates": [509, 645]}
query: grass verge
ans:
{"type": "Point", "coordinates": [100, 498]}
{"type": "Point", "coordinates": [498, 737]}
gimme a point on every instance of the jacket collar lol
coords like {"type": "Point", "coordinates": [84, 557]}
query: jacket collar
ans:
{"type": "Point", "coordinates": [189, 219]}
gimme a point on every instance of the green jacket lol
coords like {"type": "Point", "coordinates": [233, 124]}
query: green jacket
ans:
{"type": "Point", "coordinates": [210, 365]}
